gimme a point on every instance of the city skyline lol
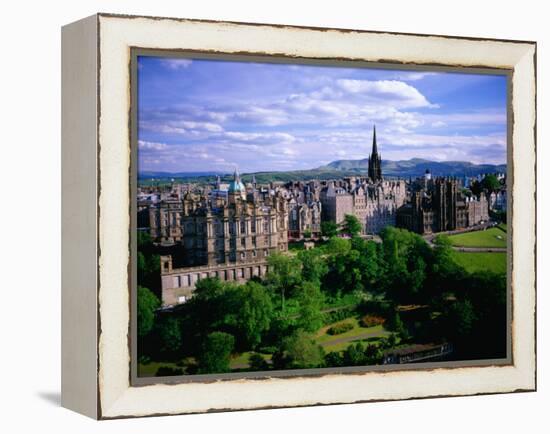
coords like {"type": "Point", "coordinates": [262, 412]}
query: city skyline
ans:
{"type": "Point", "coordinates": [213, 116]}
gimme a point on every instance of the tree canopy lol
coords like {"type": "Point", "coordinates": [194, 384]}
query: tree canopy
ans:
{"type": "Point", "coordinates": [215, 353]}
{"type": "Point", "coordinates": [147, 304]}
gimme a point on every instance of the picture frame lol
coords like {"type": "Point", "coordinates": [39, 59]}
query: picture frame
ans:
{"type": "Point", "coordinates": [98, 327]}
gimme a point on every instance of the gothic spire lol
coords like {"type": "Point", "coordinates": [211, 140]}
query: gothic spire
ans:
{"type": "Point", "coordinates": [375, 162]}
{"type": "Point", "coordinates": [374, 147]}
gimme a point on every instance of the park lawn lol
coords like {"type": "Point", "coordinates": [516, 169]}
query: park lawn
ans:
{"type": "Point", "coordinates": [357, 333]}
{"type": "Point", "coordinates": [493, 237]}
{"type": "Point", "coordinates": [242, 359]}
{"type": "Point", "coordinates": [150, 369]}
{"type": "Point", "coordinates": [473, 262]}
{"type": "Point", "coordinates": [348, 300]}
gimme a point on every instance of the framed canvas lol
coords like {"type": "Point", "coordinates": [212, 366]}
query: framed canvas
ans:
{"type": "Point", "coordinates": [262, 216]}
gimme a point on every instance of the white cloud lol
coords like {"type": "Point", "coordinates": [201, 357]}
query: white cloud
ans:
{"type": "Point", "coordinates": [176, 64]}
{"type": "Point", "coordinates": [153, 146]}
{"type": "Point", "coordinates": [398, 92]}
{"type": "Point", "coordinates": [412, 76]}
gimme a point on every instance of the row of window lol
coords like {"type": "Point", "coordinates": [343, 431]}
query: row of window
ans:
{"type": "Point", "coordinates": [187, 280]}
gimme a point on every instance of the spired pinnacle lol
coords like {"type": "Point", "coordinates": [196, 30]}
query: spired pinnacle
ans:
{"type": "Point", "coordinates": [374, 147]}
{"type": "Point", "coordinates": [375, 162]}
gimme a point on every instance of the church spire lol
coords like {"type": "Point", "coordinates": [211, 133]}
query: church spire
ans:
{"type": "Point", "coordinates": [374, 147]}
{"type": "Point", "coordinates": [375, 162]}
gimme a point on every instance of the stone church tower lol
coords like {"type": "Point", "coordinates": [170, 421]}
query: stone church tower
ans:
{"type": "Point", "coordinates": [375, 161]}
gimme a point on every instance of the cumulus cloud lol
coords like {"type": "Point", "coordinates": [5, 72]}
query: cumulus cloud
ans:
{"type": "Point", "coordinates": [308, 119]}
{"type": "Point", "coordinates": [152, 146]}
{"type": "Point", "coordinates": [176, 64]}
{"type": "Point", "coordinates": [398, 92]}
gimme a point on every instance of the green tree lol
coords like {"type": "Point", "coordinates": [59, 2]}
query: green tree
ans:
{"type": "Point", "coordinates": [337, 246]}
{"type": "Point", "coordinates": [334, 359]}
{"type": "Point", "coordinates": [284, 274]}
{"type": "Point", "coordinates": [168, 333]}
{"type": "Point", "coordinates": [213, 306]}
{"type": "Point", "coordinates": [490, 183]}
{"type": "Point", "coordinates": [354, 355]}
{"type": "Point", "coordinates": [254, 314]}
{"type": "Point", "coordinates": [147, 304]}
{"type": "Point", "coordinates": [351, 225]}
{"type": "Point", "coordinates": [476, 187]}
{"type": "Point", "coordinates": [329, 229]}
{"type": "Point", "coordinates": [302, 351]}
{"type": "Point", "coordinates": [310, 299]}
{"type": "Point", "coordinates": [307, 233]}
{"type": "Point", "coordinates": [314, 266]}
{"type": "Point", "coordinates": [396, 325]}
{"type": "Point", "coordinates": [215, 353]}
{"type": "Point", "coordinates": [463, 317]}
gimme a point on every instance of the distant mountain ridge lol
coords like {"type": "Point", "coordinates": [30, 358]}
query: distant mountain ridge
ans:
{"type": "Point", "coordinates": [162, 175]}
{"type": "Point", "coordinates": [337, 169]}
{"type": "Point", "coordinates": [417, 167]}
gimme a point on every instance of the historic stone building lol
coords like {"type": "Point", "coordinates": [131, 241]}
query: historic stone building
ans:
{"type": "Point", "coordinates": [438, 205]}
{"type": "Point", "coordinates": [373, 200]}
{"type": "Point", "coordinates": [229, 237]}
{"type": "Point", "coordinates": [304, 219]}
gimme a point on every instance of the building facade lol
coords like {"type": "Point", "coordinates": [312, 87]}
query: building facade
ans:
{"type": "Point", "coordinates": [438, 205]}
{"type": "Point", "coordinates": [372, 199]}
{"type": "Point", "coordinates": [229, 238]}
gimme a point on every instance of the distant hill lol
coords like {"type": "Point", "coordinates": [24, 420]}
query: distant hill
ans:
{"type": "Point", "coordinates": [337, 169]}
{"type": "Point", "coordinates": [165, 175]}
{"type": "Point", "coordinates": [417, 167]}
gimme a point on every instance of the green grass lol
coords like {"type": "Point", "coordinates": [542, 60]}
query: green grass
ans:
{"type": "Point", "coordinates": [150, 369]}
{"type": "Point", "coordinates": [472, 262]}
{"type": "Point", "coordinates": [357, 333]}
{"type": "Point", "coordinates": [493, 237]}
{"type": "Point", "coordinates": [347, 300]}
{"type": "Point", "coordinates": [242, 359]}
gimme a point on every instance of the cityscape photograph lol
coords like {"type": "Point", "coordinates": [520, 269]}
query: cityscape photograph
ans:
{"type": "Point", "coordinates": [301, 216]}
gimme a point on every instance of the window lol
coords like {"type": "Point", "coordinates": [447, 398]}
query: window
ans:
{"type": "Point", "coordinates": [243, 242]}
{"type": "Point", "coordinates": [243, 227]}
{"type": "Point", "coordinates": [254, 241]}
{"type": "Point", "coordinates": [253, 225]}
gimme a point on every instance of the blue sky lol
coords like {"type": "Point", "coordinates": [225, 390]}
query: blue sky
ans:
{"type": "Point", "coordinates": [214, 115]}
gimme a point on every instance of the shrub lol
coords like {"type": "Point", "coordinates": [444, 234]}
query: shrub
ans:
{"type": "Point", "coordinates": [257, 362]}
{"type": "Point", "coordinates": [338, 329]}
{"type": "Point", "coordinates": [334, 359]}
{"type": "Point", "coordinates": [372, 320]}
{"type": "Point", "coordinates": [267, 349]}
{"type": "Point", "coordinates": [338, 315]}
{"type": "Point", "coordinates": [354, 355]}
{"type": "Point", "coordinates": [167, 371]}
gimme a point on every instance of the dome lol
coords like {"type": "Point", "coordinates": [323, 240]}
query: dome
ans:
{"type": "Point", "coordinates": [236, 186]}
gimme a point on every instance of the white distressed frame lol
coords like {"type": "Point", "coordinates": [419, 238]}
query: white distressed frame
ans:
{"type": "Point", "coordinates": [114, 395]}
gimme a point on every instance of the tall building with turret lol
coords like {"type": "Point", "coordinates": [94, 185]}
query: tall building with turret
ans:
{"type": "Point", "coordinates": [375, 161]}
{"type": "Point", "coordinates": [438, 205]}
{"type": "Point", "coordinates": [373, 200]}
{"type": "Point", "coordinates": [225, 236]}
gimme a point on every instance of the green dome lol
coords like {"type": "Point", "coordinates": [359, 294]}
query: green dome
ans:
{"type": "Point", "coordinates": [236, 186]}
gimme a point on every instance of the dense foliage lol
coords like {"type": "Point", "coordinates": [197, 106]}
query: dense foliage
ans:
{"type": "Point", "coordinates": [277, 317]}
